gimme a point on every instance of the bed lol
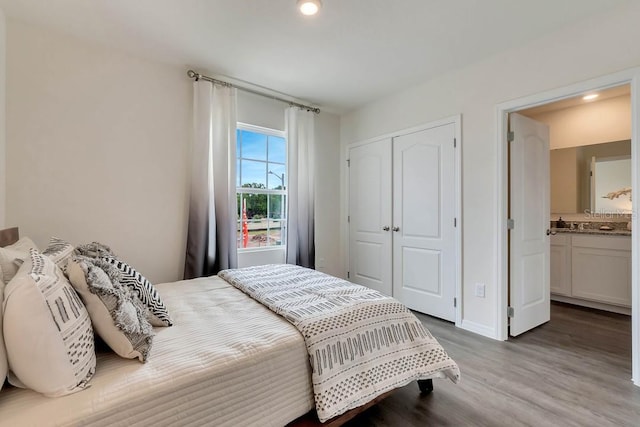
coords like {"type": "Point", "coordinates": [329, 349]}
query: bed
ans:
{"type": "Point", "coordinates": [219, 364]}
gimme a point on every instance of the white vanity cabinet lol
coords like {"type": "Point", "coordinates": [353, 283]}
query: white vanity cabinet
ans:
{"type": "Point", "coordinates": [592, 270]}
{"type": "Point", "coordinates": [601, 268]}
{"type": "Point", "coordinates": [560, 264]}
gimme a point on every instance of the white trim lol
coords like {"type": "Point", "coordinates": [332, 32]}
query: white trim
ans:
{"type": "Point", "coordinates": [635, 240]}
{"type": "Point", "coordinates": [624, 77]}
{"type": "Point", "coordinates": [262, 249]}
{"type": "Point", "coordinates": [261, 129]}
{"type": "Point", "coordinates": [592, 304]}
{"type": "Point", "coordinates": [458, 212]}
{"type": "Point", "coordinates": [456, 120]}
{"type": "Point", "coordinates": [478, 328]}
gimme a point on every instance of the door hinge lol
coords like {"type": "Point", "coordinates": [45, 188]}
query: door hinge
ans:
{"type": "Point", "coordinates": [455, 302]}
{"type": "Point", "coordinates": [348, 274]}
{"type": "Point", "coordinates": [511, 224]}
{"type": "Point", "coordinates": [511, 136]}
{"type": "Point", "coordinates": [455, 222]}
{"type": "Point", "coordinates": [348, 218]}
{"type": "Point", "coordinates": [454, 142]}
{"type": "Point", "coordinates": [348, 163]}
{"type": "Point", "coordinates": [509, 311]}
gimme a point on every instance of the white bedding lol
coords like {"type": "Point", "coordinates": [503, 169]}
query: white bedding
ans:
{"type": "Point", "coordinates": [226, 361]}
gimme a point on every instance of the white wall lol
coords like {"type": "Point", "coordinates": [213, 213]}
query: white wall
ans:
{"type": "Point", "coordinates": [3, 191]}
{"type": "Point", "coordinates": [589, 49]}
{"type": "Point", "coordinates": [327, 221]}
{"type": "Point", "coordinates": [97, 148]}
{"type": "Point", "coordinates": [592, 123]}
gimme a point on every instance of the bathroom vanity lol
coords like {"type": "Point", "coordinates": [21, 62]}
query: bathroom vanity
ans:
{"type": "Point", "coordinates": [592, 268]}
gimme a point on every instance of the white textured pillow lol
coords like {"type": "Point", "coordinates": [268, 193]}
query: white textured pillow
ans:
{"type": "Point", "coordinates": [47, 330]}
{"type": "Point", "coordinates": [19, 250]}
{"type": "Point", "coordinates": [117, 316]}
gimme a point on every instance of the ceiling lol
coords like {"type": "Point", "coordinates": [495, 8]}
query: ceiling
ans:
{"type": "Point", "coordinates": [352, 52]}
{"type": "Point", "coordinates": [623, 90]}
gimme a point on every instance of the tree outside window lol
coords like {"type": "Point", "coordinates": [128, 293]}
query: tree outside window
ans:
{"type": "Point", "coordinates": [261, 187]}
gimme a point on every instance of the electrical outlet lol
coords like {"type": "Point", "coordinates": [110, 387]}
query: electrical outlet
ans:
{"type": "Point", "coordinates": [480, 290]}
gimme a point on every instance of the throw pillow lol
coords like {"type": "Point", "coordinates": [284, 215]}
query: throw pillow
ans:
{"type": "Point", "coordinates": [4, 365]}
{"type": "Point", "coordinates": [47, 330]}
{"type": "Point", "coordinates": [59, 251]}
{"type": "Point", "coordinates": [9, 254]}
{"type": "Point", "coordinates": [118, 317]}
{"type": "Point", "coordinates": [157, 312]}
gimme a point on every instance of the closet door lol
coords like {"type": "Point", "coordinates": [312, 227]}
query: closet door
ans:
{"type": "Point", "coordinates": [370, 215]}
{"type": "Point", "coordinates": [424, 263]}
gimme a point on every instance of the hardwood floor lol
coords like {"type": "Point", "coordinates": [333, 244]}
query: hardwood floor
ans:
{"type": "Point", "coordinates": [573, 371]}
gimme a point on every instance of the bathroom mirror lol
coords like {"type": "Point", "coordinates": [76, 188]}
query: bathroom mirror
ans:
{"type": "Point", "coordinates": [570, 169]}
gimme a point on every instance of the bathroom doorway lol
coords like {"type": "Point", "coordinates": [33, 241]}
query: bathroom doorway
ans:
{"type": "Point", "coordinates": [503, 248]}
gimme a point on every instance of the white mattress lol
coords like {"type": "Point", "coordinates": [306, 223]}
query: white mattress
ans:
{"type": "Point", "coordinates": [226, 361]}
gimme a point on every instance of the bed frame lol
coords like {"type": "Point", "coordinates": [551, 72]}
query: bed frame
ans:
{"type": "Point", "coordinates": [311, 419]}
{"type": "Point", "coordinates": [11, 235]}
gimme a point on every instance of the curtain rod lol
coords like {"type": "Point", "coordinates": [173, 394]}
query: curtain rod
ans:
{"type": "Point", "coordinates": [197, 76]}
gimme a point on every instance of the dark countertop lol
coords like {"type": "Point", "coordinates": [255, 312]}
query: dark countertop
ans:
{"type": "Point", "coordinates": [615, 232]}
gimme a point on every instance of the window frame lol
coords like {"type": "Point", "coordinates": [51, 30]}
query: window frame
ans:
{"type": "Point", "coordinates": [240, 126]}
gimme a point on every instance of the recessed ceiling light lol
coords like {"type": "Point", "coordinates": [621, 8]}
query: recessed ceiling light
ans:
{"type": "Point", "coordinates": [309, 7]}
{"type": "Point", "coordinates": [590, 97]}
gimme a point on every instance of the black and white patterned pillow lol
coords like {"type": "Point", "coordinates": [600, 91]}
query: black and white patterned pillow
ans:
{"type": "Point", "coordinates": [47, 330]}
{"type": "Point", "coordinates": [158, 315]}
{"type": "Point", "coordinates": [59, 251]}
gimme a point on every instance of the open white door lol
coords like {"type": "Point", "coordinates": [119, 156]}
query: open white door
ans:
{"type": "Point", "coordinates": [370, 215]}
{"type": "Point", "coordinates": [529, 239]}
{"type": "Point", "coordinates": [424, 243]}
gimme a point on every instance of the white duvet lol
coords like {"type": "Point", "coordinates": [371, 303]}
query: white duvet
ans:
{"type": "Point", "coordinates": [226, 361]}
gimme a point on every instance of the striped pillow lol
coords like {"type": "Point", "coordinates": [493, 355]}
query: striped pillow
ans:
{"type": "Point", "coordinates": [47, 330]}
{"type": "Point", "coordinates": [157, 312]}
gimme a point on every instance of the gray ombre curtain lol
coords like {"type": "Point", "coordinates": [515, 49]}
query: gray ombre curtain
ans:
{"type": "Point", "coordinates": [301, 191]}
{"type": "Point", "coordinates": [211, 238]}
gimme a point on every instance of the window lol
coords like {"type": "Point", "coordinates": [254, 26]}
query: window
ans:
{"type": "Point", "coordinates": [261, 187]}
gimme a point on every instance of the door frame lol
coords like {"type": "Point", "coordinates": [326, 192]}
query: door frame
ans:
{"type": "Point", "coordinates": [456, 120]}
{"type": "Point", "coordinates": [632, 77]}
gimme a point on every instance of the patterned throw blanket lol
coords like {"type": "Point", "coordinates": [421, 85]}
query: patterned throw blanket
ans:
{"type": "Point", "coordinates": [361, 343]}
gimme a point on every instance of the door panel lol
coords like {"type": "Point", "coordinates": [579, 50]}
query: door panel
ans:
{"type": "Point", "coordinates": [423, 212]}
{"type": "Point", "coordinates": [370, 212]}
{"type": "Point", "coordinates": [529, 242]}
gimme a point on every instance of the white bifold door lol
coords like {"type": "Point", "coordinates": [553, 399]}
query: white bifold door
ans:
{"type": "Point", "coordinates": [402, 218]}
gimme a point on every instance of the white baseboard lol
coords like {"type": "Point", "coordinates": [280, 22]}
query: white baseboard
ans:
{"type": "Point", "coordinates": [479, 329]}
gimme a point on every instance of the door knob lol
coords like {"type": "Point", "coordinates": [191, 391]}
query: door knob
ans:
{"type": "Point", "coordinates": [385, 228]}
{"type": "Point", "coordinates": [396, 229]}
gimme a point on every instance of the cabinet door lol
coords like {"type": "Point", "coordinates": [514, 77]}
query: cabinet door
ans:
{"type": "Point", "coordinates": [560, 265]}
{"type": "Point", "coordinates": [370, 215]}
{"type": "Point", "coordinates": [424, 266]}
{"type": "Point", "coordinates": [601, 269]}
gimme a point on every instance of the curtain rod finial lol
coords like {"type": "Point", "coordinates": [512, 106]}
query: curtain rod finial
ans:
{"type": "Point", "coordinates": [192, 74]}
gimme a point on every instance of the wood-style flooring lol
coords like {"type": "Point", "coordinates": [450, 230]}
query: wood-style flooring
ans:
{"type": "Point", "coordinates": [572, 371]}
